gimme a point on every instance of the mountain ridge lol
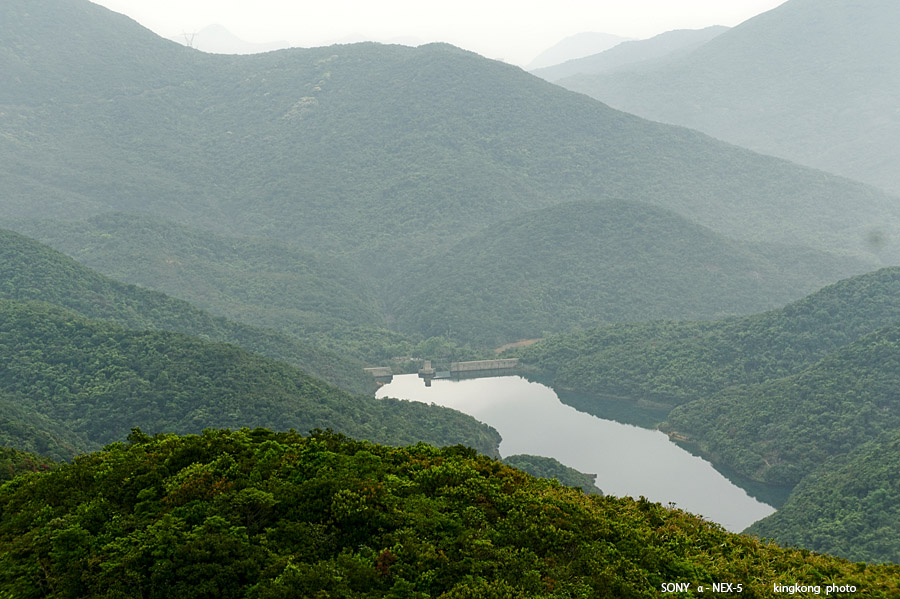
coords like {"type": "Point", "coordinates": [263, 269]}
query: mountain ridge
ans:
{"type": "Point", "coordinates": [813, 82]}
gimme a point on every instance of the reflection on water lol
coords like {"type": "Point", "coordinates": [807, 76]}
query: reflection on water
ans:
{"type": "Point", "coordinates": [628, 460]}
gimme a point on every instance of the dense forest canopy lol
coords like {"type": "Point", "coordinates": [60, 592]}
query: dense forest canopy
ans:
{"type": "Point", "coordinates": [30, 271]}
{"type": "Point", "coordinates": [787, 397]}
{"type": "Point", "coordinates": [258, 514]}
{"type": "Point", "coordinates": [94, 381]}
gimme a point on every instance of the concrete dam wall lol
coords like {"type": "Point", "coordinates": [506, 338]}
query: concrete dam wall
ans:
{"type": "Point", "coordinates": [479, 365]}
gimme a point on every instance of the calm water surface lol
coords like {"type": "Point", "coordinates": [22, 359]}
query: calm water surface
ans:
{"type": "Point", "coordinates": [626, 459]}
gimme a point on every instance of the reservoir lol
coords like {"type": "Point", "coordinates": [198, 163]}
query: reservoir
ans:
{"type": "Point", "coordinates": [628, 460]}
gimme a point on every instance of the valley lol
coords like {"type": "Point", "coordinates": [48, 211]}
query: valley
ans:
{"type": "Point", "coordinates": [200, 254]}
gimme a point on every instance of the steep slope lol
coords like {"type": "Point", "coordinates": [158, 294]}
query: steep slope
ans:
{"type": "Point", "coordinates": [780, 430]}
{"type": "Point", "coordinates": [96, 381]}
{"type": "Point", "coordinates": [628, 54]}
{"type": "Point", "coordinates": [260, 281]}
{"type": "Point", "coordinates": [259, 514]}
{"type": "Point", "coordinates": [588, 263]}
{"type": "Point", "coordinates": [814, 81]}
{"type": "Point", "coordinates": [32, 271]}
{"type": "Point", "coordinates": [677, 362]}
{"type": "Point", "coordinates": [850, 506]}
{"type": "Point", "coordinates": [364, 150]}
{"type": "Point", "coordinates": [26, 430]}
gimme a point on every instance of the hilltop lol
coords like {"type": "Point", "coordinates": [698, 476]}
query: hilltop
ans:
{"type": "Point", "coordinates": [253, 513]}
{"type": "Point", "coordinates": [581, 264]}
{"type": "Point", "coordinates": [574, 47]}
{"type": "Point", "coordinates": [30, 271]}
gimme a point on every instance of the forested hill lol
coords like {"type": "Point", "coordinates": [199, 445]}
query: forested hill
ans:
{"type": "Point", "coordinates": [582, 264]}
{"type": "Point", "coordinates": [674, 362]}
{"type": "Point", "coordinates": [788, 397]}
{"type": "Point", "coordinates": [815, 81]}
{"type": "Point", "coordinates": [268, 282]}
{"type": "Point", "coordinates": [850, 506]}
{"type": "Point", "coordinates": [361, 148]}
{"type": "Point", "coordinates": [32, 271]}
{"type": "Point", "coordinates": [70, 385]}
{"type": "Point", "coordinates": [267, 515]}
{"type": "Point", "coordinates": [780, 430]}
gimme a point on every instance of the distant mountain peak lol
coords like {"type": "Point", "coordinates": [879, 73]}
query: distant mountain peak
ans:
{"type": "Point", "coordinates": [216, 39]}
{"type": "Point", "coordinates": [575, 46]}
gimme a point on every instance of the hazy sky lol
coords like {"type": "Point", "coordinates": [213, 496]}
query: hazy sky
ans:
{"type": "Point", "coordinates": [511, 30]}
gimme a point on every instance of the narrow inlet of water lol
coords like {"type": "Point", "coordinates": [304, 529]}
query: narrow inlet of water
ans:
{"type": "Point", "coordinates": [628, 460]}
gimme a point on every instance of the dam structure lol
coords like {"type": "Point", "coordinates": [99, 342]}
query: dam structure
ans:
{"type": "Point", "coordinates": [489, 367]}
{"type": "Point", "coordinates": [458, 370]}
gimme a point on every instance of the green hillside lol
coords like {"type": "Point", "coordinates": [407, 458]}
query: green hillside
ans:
{"type": "Point", "coordinates": [675, 362]}
{"type": "Point", "coordinates": [553, 469]}
{"type": "Point", "coordinates": [96, 380]}
{"type": "Point", "coordinates": [258, 514]}
{"type": "Point", "coordinates": [814, 81]}
{"type": "Point", "coordinates": [850, 506]}
{"type": "Point", "coordinates": [32, 271]}
{"type": "Point", "coordinates": [583, 264]}
{"type": "Point", "coordinates": [382, 153]}
{"type": "Point", "coordinates": [780, 430]}
{"type": "Point", "coordinates": [785, 397]}
{"type": "Point", "coordinates": [261, 282]}
{"type": "Point", "coordinates": [350, 167]}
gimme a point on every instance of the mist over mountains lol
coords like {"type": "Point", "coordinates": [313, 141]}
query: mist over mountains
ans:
{"type": "Point", "coordinates": [574, 47]}
{"type": "Point", "coordinates": [382, 155]}
{"type": "Point", "coordinates": [216, 39]}
{"type": "Point", "coordinates": [632, 54]}
{"type": "Point", "coordinates": [814, 82]}
{"type": "Point", "coordinates": [311, 211]}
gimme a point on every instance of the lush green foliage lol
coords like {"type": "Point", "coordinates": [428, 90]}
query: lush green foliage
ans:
{"type": "Point", "coordinates": [850, 506]}
{"type": "Point", "coordinates": [31, 271]}
{"type": "Point", "coordinates": [97, 380]}
{"type": "Point", "coordinates": [14, 462]}
{"type": "Point", "coordinates": [553, 469]}
{"type": "Point", "coordinates": [373, 160]}
{"type": "Point", "coordinates": [588, 263]}
{"type": "Point", "coordinates": [262, 515]}
{"type": "Point", "coordinates": [308, 297]}
{"type": "Point", "coordinates": [264, 283]}
{"type": "Point", "coordinates": [812, 81]}
{"type": "Point", "coordinates": [773, 396]}
{"type": "Point", "coordinates": [675, 362]}
{"type": "Point", "coordinates": [781, 430]}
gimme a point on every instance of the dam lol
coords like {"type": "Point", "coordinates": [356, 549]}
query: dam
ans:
{"type": "Point", "coordinates": [483, 366]}
{"type": "Point", "coordinates": [458, 370]}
